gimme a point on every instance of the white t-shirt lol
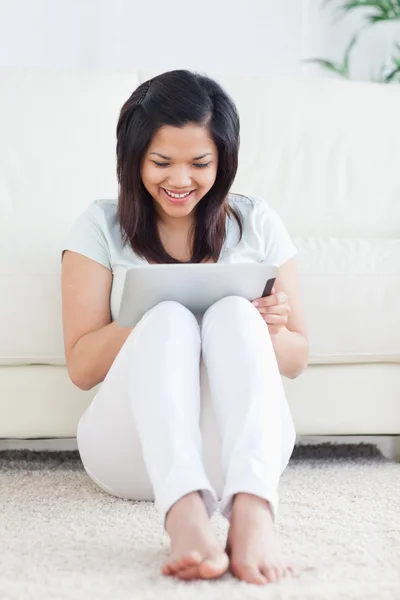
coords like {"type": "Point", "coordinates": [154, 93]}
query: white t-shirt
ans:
{"type": "Point", "coordinates": [96, 234]}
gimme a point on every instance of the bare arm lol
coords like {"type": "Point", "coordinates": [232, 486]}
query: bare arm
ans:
{"type": "Point", "coordinates": [283, 314]}
{"type": "Point", "coordinates": [291, 343]}
{"type": "Point", "coordinates": [91, 340]}
{"type": "Point", "coordinates": [95, 352]}
{"type": "Point", "coordinates": [291, 350]}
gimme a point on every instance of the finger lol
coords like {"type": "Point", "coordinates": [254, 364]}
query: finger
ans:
{"type": "Point", "coordinates": [275, 319]}
{"type": "Point", "coordinates": [273, 300]}
{"type": "Point", "coordinates": [281, 297]}
{"type": "Point", "coordinates": [281, 309]}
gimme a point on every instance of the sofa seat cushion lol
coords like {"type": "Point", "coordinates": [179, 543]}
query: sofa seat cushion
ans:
{"type": "Point", "coordinates": [351, 291]}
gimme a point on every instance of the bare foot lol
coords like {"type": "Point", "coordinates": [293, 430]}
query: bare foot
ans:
{"type": "Point", "coordinates": [195, 550]}
{"type": "Point", "coordinates": [252, 545]}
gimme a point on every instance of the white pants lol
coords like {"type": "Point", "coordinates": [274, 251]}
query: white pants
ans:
{"type": "Point", "coordinates": [141, 437]}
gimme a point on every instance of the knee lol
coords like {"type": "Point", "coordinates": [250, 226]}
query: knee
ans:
{"type": "Point", "coordinates": [232, 306]}
{"type": "Point", "coordinates": [172, 312]}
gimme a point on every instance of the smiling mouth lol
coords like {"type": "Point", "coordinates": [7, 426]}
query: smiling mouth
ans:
{"type": "Point", "coordinates": [178, 200]}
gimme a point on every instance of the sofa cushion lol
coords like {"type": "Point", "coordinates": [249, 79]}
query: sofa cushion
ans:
{"type": "Point", "coordinates": [351, 290]}
{"type": "Point", "coordinates": [323, 152]}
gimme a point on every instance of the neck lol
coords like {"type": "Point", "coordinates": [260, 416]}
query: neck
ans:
{"type": "Point", "coordinates": [176, 224]}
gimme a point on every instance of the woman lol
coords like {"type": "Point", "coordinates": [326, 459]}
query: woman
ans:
{"type": "Point", "coordinates": [177, 157]}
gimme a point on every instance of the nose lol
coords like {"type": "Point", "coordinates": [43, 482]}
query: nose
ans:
{"type": "Point", "coordinates": [180, 180]}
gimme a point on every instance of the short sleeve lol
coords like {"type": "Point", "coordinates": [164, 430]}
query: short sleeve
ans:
{"type": "Point", "coordinates": [279, 247]}
{"type": "Point", "coordinates": [87, 237]}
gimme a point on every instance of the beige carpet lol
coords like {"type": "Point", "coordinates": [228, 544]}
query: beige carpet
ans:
{"type": "Point", "coordinates": [63, 538]}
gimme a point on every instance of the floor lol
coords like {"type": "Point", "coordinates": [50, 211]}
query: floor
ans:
{"type": "Point", "coordinates": [64, 539]}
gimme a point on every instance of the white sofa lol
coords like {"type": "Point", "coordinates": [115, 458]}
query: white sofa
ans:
{"type": "Point", "coordinates": [324, 153]}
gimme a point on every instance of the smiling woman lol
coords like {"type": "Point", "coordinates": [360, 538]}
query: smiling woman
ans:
{"type": "Point", "coordinates": [177, 157]}
{"type": "Point", "coordinates": [182, 118]}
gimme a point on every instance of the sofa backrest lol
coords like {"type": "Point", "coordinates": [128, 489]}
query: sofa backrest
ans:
{"type": "Point", "coordinates": [325, 153]}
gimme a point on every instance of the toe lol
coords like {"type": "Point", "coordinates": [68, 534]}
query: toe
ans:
{"type": "Point", "coordinates": [248, 573]}
{"type": "Point", "coordinates": [191, 559]}
{"type": "Point", "coordinates": [189, 574]}
{"type": "Point", "coordinates": [170, 568]}
{"type": "Point", "coordinates": [166, 570]}
{"type": "Point", "coordinates": [173, 566]}
{"type": "Point", "coordinates": [212, 568]}
{"type": "Point", "coordinates": [282, 571]}
{"type": "Point", "coordinates": [208, 569]}
{"type": "Point", "coordinates": [272, 574]}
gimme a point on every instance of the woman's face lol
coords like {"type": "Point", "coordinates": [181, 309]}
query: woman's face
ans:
{"type": "Point", "coordinates": [188, 163]}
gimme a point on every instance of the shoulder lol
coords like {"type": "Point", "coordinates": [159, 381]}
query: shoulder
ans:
{"type": "Point", "coordinates": [104, 211]}
{"type": "Point", "coordinates": [102, 215]}
{"type": "Point", "coordinates": [92, 231]}
{"type": "Point", "coordinates": [254, 210]}
{"type": "Point", "coordinates": [263, 228]}
{"type": "Point", "coordinates": [248, 205]}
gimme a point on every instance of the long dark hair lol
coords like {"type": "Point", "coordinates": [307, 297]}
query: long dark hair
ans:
{"type": "Point", "coordinates": [176, 98]}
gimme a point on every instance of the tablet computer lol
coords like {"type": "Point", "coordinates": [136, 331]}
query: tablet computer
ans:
{"type": "Point", "coordinates": [195, 285]}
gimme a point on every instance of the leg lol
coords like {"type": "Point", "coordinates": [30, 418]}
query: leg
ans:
{"type": "Point", "coordinates": [143, 426]}
{"type": "Point", "coordinates": [256, 429]}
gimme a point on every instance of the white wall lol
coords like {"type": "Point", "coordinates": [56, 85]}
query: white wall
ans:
{"type": "Point", "coordinates": [234, 34]}
{"type": "Point", "coordinates": [260, 36]}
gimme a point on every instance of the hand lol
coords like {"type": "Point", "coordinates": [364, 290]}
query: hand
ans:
{"type": "Point", "coordinates": [274, 309]}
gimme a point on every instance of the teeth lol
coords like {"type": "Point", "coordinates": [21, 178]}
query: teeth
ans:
{"type": "Point", "coordinates": [177, 195]}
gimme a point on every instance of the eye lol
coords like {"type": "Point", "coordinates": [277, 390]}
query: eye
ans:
{"type": "Point", "coordinates": [198, 165]}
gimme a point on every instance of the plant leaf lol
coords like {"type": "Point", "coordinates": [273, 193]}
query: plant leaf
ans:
{"type": "Point", "coordinates": [391, 76]}
{"type": "Point", "coordinates": [328, 65]}
{"type": "Point", "coordinates": [376, 11]}
{"type": "Point", "coordinates": [396, 60]}
{"type": "Point", "coordinates": [373, 19]}
{"type": "Point", "coordinates": [345, 67]}
{"type": "Point", "coordinates": [384, 10]}
{"type": "Point", "coordinates": [380, 5]}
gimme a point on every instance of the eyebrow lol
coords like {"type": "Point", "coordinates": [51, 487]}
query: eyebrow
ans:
{"type": "Point", "coordinates": [169, 158]}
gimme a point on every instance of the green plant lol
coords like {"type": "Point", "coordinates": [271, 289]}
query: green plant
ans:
{"type": "Point", "coordinates": [392, 74]}
{"type": "Point", "coordinates": [342, 68]}
{"type": "Point", "coordinates": [380, 10]}
{"type": "Point", "coordinates": [376, 11]}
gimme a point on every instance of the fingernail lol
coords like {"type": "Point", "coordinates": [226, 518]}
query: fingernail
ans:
{"type": "Point", "coordinates": [255, 303]}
